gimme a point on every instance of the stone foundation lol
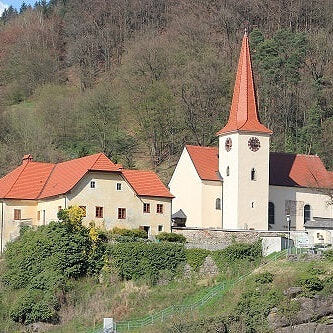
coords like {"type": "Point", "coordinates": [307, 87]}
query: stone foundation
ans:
{"type": "Point", "coordinates": [218, 239]}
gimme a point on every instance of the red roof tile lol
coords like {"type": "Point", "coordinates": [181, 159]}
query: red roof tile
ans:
{"type": "Point", "coordinates": [243, 113]}
{"type": "Point", "coordinates": [294, 170]}
{"type": "Point", "coordinates": [146, 183]}
{"type": "Point", "coordinates": [206, 161]}
{"type": "Point", "coordinates": [298, 170]}
{"type": "Point", "coordinates": [35, 180]}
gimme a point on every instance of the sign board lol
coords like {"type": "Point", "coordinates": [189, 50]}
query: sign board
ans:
{"type": "Point", "coordinates": [302, 241]}
{"type": "Point", "coordinates": [108, 325]}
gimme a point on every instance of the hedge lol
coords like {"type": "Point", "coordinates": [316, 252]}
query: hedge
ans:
{"type": "Point", "coordinates": [145, 260]}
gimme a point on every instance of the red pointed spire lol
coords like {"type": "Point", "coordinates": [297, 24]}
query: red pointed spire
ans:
{"type": "Point", "coordinates": [243, 114]}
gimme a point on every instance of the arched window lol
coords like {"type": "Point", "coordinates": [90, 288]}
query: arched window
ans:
{"type": "Point", "coordinates": [253, 174]}
{"type": "Point", "coordinates": [218, 203]}
{"type": "Point", "coordinates": [307, 213]}
{"type": "Point", "coordinates": [271, 213]}
{"type": "Point", "coordinates": [228, 171]}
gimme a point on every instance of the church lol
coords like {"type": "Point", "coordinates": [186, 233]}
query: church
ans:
{"type": "Point", "coordinates": [241, 184]}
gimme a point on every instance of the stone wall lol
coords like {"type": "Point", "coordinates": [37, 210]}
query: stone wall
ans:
{"type": "Point", "coordinates": [218, 239]}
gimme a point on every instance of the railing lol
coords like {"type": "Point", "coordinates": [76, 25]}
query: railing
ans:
{"type": "Point", "coordinates": [160, 316]}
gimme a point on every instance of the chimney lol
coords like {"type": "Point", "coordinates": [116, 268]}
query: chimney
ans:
{"type": "Point", "coordinates": [26, 159]}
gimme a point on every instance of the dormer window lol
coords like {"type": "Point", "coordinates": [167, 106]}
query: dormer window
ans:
{"type": "Point", "coordinates": [92, 184]}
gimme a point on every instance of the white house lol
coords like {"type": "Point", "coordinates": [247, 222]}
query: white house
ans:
{"type": "Point", "coordinates": [111, 196]}
{"type": "Point", "coordinates": [241, 184]}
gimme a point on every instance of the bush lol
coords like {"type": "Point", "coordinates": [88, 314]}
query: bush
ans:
{"type": "Point", "coordinates": [263, 278]}
{"type": "Point", "coordinates": [171, 237]}
{"type": "Point", "coordinates": [145, 260]}
{"type": "Point", "coordinates": [54, 247]}
{"type": "Point", "coordinates": [126, 235]}
{"type": "Point", "coordinates": [311, 284]}
{"type": "Point", "coordinates": [328, 255]}
{"type": "Point", "coordinates": [196, 257]}
{"type": "Point", "coordinates": [34, 306]}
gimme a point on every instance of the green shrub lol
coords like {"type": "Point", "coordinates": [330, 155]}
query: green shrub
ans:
{"type": "Point", "coordinates": [196, 257]}
{"type": "Point", "coordinates": [171, 237]}
{"type": "Point", "coordinates": [263, 278]}
{"type": "Point", "coordinates": [238, 258]}
{"type": "Point", "coordinates": [145, 260]}
{"type": "Point", "coordinates": [34, 306]}
{"type": "Point", "coordinates": [328, 255]}
{"type": "Point", "coordinates": [127, 235]}
{"type": "Point", "coordinates": [56, 247]}
{"type": "Point", "coordinates": [254, 306]}
{"type": "Point", "coordinates": [311, 284]}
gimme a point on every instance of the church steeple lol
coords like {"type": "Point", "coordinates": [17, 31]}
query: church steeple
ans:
{"type": "Point", "coordinates": [243, 113]}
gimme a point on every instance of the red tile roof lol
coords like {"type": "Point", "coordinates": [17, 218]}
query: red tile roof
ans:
{"type": "Point", "coordinates": [146, 183]}
{"type": "Point", "coordinates": [243, 113]}
{"type": "Point", "coordinates": [35, 180]}
{"type": "Point", "coordinates": [206, 161]}
{"type": "Point", "coordinates": [298, 170]}
{"type": "Point", "coordinates": [294, 170]}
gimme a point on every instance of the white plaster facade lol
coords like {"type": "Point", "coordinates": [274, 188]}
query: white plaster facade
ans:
{"type": "Point", "coordinates": [105, 194]}
{"type": "Point", "coordinates": [196, 197]}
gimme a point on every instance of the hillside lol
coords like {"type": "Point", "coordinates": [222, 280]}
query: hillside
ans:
{"type": "Point", "coordinates": [65, 277]}
{"type": "Point", "coordinates": [138, 79]}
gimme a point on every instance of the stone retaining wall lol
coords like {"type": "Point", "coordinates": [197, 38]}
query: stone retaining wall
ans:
{"type": "Point", "coordinates": [217, 239]}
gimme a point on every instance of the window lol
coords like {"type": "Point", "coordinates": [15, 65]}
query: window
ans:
{"type": "Point", "coordinates": [160, 228]}
{"type": "Point", "coordinates": [59, 208]}
{"type": "Point", "coordinates": [84, 210]}
{"type": "Point", "coordinates": [253, 174]}
{"type": "Point", "coordinates": [38, 215]}
{"type": "Point", "coordinates": [218, 203]}
{"type": "Point", "coordinates": [159, 208]}
{"type": "Point", "coordinates": [228, 171]}
{"type": "Point", "coordinates": [121, 213]}
{"type": "Point", "coordinates": [17, 214]}
{"type": "Point", "coordinates": [146, 208]}
{"type": "Point", "coordinates": [271, 213]}
{"type": "Point", "coordinates": [99, 212]}
{"type": "Point", "coordinates": [92, 184]}
{"type": "Point", "coordinates": [252, 204]}
{"type": "Point", "coordinates": [118, 186]}
{"type": "Point", "coordinates": [307, 213]}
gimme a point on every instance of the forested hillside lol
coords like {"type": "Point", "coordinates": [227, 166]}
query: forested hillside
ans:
{"type": "Point", "coordinates": [137, 79]}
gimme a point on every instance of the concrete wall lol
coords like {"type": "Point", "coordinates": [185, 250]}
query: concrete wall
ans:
{"type": "Point", "coordinates": [293, 199]}
{"type": "Point", "coordinates": [186, 186]}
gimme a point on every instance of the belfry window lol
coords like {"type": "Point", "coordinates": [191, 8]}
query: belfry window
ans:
{"type": "Point", "coordinates": [307, 213]}
{"type": "Point", "coordinates": [253, 174]}
{"type": "Point", "coordinates": [271, 213]}
{"type": "Point", "coordinates": [228, 171]}
{"type": "Point", "coordinates": [218, 203]}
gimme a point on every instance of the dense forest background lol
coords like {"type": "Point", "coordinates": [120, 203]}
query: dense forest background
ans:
{"type": "Point", "coordinates": [137, 79]}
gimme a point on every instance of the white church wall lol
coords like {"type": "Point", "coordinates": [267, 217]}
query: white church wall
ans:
{"type": "Point", "coordinates": [229, 160]}
{"type": "Point", "coordinates": [293, 199]}
{"type": "Point", "coordinates": [212, 217]}
{"type": "Point", "coordinates": [253, 194]}
{"type": "Point", "coordinates": [186, 186]}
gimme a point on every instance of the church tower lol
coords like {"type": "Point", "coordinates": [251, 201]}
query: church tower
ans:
{"type": "Point", "coordinates": [244, 155]}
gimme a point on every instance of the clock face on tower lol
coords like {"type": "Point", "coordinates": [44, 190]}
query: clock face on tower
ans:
{"type": "Point", "coordinates": [254, 144]}
{"type": "Point", "coordinates": [228, 144]}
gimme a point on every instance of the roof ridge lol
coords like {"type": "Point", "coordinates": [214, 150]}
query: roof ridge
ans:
{"type": "Point", "coordinates": [48, 178]}
{"type": "Point", "coordinates": [24, 166]}
{"type": "Point", "coordinates": [97, 158]}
